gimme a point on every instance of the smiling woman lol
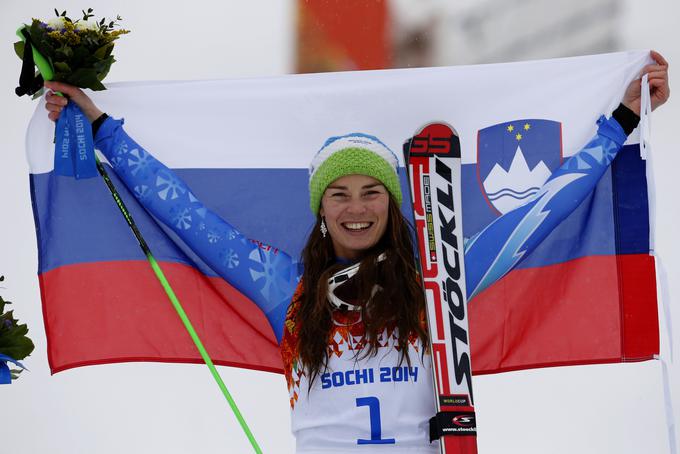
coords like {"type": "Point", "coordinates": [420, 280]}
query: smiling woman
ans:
{"type": "Point", "coordinates": [361, 251]}
{"type": "Point", "coordinates": [355, 193]}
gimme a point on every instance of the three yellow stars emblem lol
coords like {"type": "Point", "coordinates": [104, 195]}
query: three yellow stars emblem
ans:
{"type": "Point", "coordinates": [518, 136]}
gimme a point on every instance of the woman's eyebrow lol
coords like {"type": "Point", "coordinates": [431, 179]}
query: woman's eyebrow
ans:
{"type": "Point", "coordinates": [345, 188]}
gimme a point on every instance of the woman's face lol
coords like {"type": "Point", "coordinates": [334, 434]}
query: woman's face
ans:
{"type": "Point", "coordinates": [356, 209]}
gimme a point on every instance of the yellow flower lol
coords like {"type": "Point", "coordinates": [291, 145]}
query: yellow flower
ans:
{"type": "Point", "coordinates": [56, 35]}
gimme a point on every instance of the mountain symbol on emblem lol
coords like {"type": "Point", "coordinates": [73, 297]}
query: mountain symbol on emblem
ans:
{"type": "Point", "coordinates": [509, 189]}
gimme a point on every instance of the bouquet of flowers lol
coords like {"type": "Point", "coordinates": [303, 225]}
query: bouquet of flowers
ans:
{"type": "Point", "coordinates": [14, 344]}
{"type": "Point", "coordinates": [76, 52]}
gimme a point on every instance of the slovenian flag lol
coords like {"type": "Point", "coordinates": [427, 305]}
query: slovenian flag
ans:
{"type": "Point", "coordinates": [587, 294]}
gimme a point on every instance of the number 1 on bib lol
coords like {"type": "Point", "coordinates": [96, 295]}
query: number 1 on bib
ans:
{"type": "Point", "coordinates": [433, 163]}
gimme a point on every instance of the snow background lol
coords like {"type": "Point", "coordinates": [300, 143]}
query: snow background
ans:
{"type": "Point", "coordinates": [168, 408]}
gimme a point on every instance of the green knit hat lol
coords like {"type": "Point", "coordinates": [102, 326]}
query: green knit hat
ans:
{"type": "Point", "coordinates": [351, 154]}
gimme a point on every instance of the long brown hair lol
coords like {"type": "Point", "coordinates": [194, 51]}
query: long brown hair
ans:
{"type": "Point", "coordinates": [400, 301]}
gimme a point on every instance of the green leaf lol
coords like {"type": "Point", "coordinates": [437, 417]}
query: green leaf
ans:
{"type": "Point", "coordinates": [15, 343]}
{"type": "Point", "coordinates": [65, 50]}
{"type": "Point", "coordinates": [105, 71]}
{"type": "Point", "coordinates": [7, 316]}
{"type": "Point", "coordinates": [103, 66]}
{"type": "Point", "coordinates": [62, 67]}
{"type": "Point", "coordinates": [85, 78]}
{"type": "Point", "coordinates": [38, 94]}
{"type": "Point", "coordinates": [19, 49]}
{"type": "Point", "coordinates": [35, 31]}
{"type": "Point", "coordinates": [15, 373]}
{"type": "Point", "coordinates": [97, 86]}
{"type": "Point", "coordinates": [80, 57]}
{"type": "Point", "coordinates": [104, 51]}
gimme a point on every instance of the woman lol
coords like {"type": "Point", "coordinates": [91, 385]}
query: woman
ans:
{"type": "Point", "coordinates": [355, 354]}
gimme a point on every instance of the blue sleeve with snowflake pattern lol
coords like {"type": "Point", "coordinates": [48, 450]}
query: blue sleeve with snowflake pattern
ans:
{"type": "Point", "coordinates": [501, 245]}
{"type": "Point", "coordinates": [238, 260]}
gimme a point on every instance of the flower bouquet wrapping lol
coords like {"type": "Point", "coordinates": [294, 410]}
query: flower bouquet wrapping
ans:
{"type": "Point", "coordinates": [76, 52]}
{"type": "Point", "coordinates": [14, 343]}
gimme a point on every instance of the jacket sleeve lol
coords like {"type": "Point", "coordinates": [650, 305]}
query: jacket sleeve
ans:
{"type": "Point", "coordinates": [501, 245]}
{"type": "Point", "coordinates": [266, 275]}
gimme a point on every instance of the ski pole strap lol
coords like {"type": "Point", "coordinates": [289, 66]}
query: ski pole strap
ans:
{"type": "Point", "coordinates": [452, 423]}
{"type": "Point", "coordinates": [29, 83]}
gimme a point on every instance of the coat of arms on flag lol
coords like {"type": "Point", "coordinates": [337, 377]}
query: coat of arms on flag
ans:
{"type": "Point", "coordinates": [515, 158]}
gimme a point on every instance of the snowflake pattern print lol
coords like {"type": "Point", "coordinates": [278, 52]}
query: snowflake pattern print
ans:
{"type": "Point", "coordinates": [138, 162]}
{"type": "Point", "coordinates": [229, 258]}
{"type": "Point", "coordinates": [169, 187]}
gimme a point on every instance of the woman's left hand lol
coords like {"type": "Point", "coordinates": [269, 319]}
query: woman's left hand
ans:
{"type": "Point", "coordinates": [658, 85]}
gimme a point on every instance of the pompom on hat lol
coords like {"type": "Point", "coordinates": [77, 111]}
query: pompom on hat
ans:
{"type": "Point", "coordinates": [355, 153]}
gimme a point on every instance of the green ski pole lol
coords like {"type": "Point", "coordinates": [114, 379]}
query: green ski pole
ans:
{"type": "Point", "coordinates": [176, 304]}
{"type": "Point", "coordinates": [45, 69]}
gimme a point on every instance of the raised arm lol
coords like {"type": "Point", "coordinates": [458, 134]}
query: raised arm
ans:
{"type": "Point", "coordinates": [501, 245]}
{"type": "Point", "coordinates": [264, 274]}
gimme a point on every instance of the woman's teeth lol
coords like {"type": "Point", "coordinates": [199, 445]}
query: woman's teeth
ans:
{"type": "Point", "coordinates": [357, 225]}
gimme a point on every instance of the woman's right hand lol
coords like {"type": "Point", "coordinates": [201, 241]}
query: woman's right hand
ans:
{"type": "Point", "coordinates": [55, 103]}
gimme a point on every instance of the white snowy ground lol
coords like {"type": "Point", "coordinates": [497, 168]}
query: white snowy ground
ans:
{"type": "Point", "coordinates": [148, 408]}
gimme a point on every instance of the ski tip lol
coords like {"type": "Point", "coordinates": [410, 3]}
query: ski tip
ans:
{"type": "Point", "coordinates": [434, 139]}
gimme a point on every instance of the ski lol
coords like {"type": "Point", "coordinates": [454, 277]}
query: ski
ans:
{"type": "Point", "coordinates": [433, 162]}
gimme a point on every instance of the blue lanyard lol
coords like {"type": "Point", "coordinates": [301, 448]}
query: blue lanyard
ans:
{"type": "Point", "coordinates": [74, 146]}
